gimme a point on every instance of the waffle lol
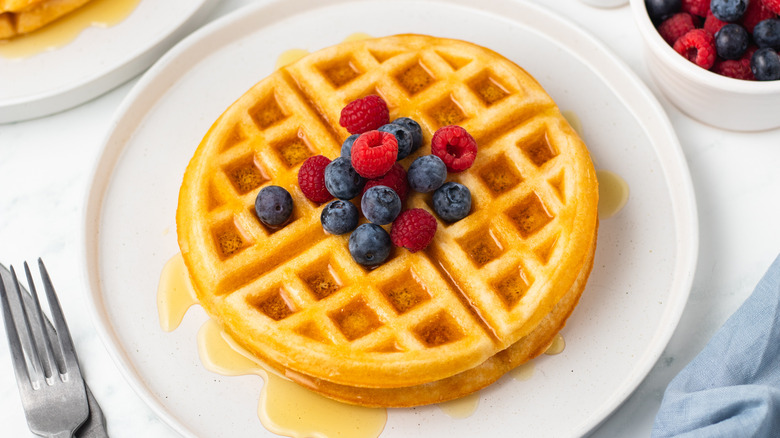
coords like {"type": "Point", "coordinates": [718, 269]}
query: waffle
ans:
{"type": "Point", "coordinates": [461, 384]}
{"type": "Point", "coordinates": [293, 296]}
{"type": "Point", "coordinates": [18, 17]}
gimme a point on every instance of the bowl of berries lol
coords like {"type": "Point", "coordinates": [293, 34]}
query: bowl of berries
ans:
{"type": "Point", "coordinates": [716, 60]}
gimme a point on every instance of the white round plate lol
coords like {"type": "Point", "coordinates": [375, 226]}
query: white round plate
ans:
{"type": "Point", "coordinates": [644, 263]}
{"type": "Point", "coordinates": [96, 61]}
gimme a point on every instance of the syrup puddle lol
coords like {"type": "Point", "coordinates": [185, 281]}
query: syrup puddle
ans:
{"type": "Point", "coordinates": [556, 346]}
{"type": "Point", "coordinates": [175, 294]}
{"type": "Point", "coordinates": [461, 407]}
{"type": "Point", "coordinates": [97, 13]}
{"type": "Point", "coordinates": [613, 193]}
{"type": "Point", "coordinates": [284, 408]}
{"type": "Point", "coordinates": [289, 56]}
{"type": "Point", "coordinates": [523, 372]}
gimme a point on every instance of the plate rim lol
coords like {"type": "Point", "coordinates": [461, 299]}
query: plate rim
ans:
{"type": "Point", "coordinates": [673, 165]}
{"type": "Point", "coordinates": [51, 101]}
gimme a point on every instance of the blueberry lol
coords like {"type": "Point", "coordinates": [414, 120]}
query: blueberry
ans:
{"type": "Point", "coordinates": [402, 135]}
{"type": "Point", "coordinates": [452, 201]}
{"type": "Point", "coordinates": [346, 147]}
{"type": "Point", "coordinates": [339, 217]}
{"type": "Point", "coordinates": [426, 173]}
{"type": "Point", "coordinates": [380, 205]}
{"type": "Point", "coordinates": [728, 10]}
{"type": "Point", "coordinates": [369, 245]}
{"type": "Point", "coordinates": [273, 205]}
{"type": "Point", "coordinates": [765, 64]}
{"type": "Point", "coordinates": [731, 41]}
{"type": "Point", "coordinates": [767, 33]}
{"type": "Point", "coordinates": [341, 180]}
{"type": "Point", "coordinates": [414, 128]}
{"type": "Point", "coordinates": [659, 10]}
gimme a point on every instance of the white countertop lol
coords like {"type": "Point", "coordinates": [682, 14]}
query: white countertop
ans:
{"type": "Point", "coordinates": [45, 167]}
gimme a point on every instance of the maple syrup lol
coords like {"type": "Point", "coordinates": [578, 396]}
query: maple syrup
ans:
{"type": "Point", "coordinates": [97, 13]}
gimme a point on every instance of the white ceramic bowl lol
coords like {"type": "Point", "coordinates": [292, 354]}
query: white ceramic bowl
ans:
{"type": "Point", "coordinates": [717, 100]}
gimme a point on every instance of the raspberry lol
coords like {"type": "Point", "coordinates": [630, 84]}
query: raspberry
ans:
{"type": "Point", "coordinates": [712, 24]}
{"type": "Point", "coordinates": [676, 26]}
{"type": "Point", "coordinates": [772, 5]}
{"type": "Point", "coordinates": [395, 179]}
{"type": "Point", "coordinates": [364, 114]}
{"type": "Point", "coordinates": [696, 7]}
{"type": "Point", "coordinates": [734, 69]}
{"type": "Point", "coordinates": [311, 179]}
{"type": "Point", "coordinates": [374, 153]}
{"type": "Point", "coordinates": [698, 46]}
{"type": "Point", "coordinates": [748, 56]}
{"type": "Point", "coordinates": [756, 12]}
{"type": "Point", "coordinates": [413, 229]}
{"type": "Point", "coordinates": [455, 146]}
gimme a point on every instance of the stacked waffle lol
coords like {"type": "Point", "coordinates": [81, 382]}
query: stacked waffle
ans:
{"type": "Point", "coordinates": [18, 17]}
{"type": "Point", "coordinates": [491, 290]}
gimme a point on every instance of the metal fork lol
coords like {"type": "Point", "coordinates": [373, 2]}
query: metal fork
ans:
{"type": "Point", "coordinates": [47, 370]}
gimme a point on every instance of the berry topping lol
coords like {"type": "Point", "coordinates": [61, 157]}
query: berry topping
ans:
{"type": "Point", "coordinates": [765, 64]}
{"type": "Point", "coordinates": [676, 26]}
{"type": "Point", "coordinates": [452, 201]}
{"type": "Point", "coordinates": [370, 245]}
{"type": "Point", "coordinates": [712, 24]}
{"type": "Point", "coordinates": [455, 146]}
{"type": "Point", "coordinates": [731, 41]}
{"type": "Point", "coordinates": [772, 5]}
{"type": "Point", "coordinates": [698, 46]}
{"type": "Point", "coordinates": [756, 12]}
{"type": "Point", "coordinates": [734, 69]}
{"type": "Point", "coordinates": [342, 180]}
{"type": "Point", "coordinates": [346, 147]}
{"type": "Point", "coordinates": [374, 153]}
{"type": "Point", "coordinates": [339, 217]}
{"type": "Point", "coordinates": [311, 179]}
{"type": "Point", "coordinates": [413, 229]}
{"type": "Point", "coordinates": [364, 114]}
{"type": "Point", "coordinates": [395, 179]}
{"type": "Point", "coordinates": [767, 34]}
{"type": "Point", "coordinates": [696, 7]}
{"type": "Point", "coordinates": [402, 136]}
{"type": "Point", "coordinates": [273, 205]}
{"type": "Point", "coordinates": [380, 205]}
{"type": "Point", "coordinates": [426, 173]}
{"type": "Point", "coordinates": [728, 10]}
{"type": "Point", "coordinates": [414, 128]}
{"type": "Point", "coordinates": [661, 9]}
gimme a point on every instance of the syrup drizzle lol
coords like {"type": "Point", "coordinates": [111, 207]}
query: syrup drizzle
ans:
{"type": "Point", "coordinates": [613, 193]}
{"type": "Point", "coordinates": [97, 13]}
{"type": "Point", "coordinates": [523, 372]}
{"type": "Point", "coordinates": [175, 294]}
{"type": "Point", "coordinates": [556, 346]}
{"type": "Point", "coordinates": [286, 408]}
{"type": "Point", "coordinates": [461, 407]}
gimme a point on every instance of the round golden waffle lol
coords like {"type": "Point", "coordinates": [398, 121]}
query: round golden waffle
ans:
{"type": "Point", "coordinates": [295, 298]}
{"type": "Point", "coordinates": [461, 384]}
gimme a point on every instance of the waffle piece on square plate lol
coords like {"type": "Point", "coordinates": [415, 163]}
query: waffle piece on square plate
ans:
{"type": "Point", "coordinates": [19, 17]}
{"type": "Point", "coordinates": [486, 285]}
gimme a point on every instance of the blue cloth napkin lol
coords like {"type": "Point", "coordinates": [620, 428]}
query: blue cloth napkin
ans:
{"type": "Point", "coordinates": [732, 388]}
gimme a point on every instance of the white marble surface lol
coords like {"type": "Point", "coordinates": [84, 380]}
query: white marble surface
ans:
{"type": "Point", "coordinates": [45, 168]}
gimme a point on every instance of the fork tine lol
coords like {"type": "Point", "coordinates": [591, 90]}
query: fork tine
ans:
{"type": "Point", "coordinates": [70, 359]}
{"type": "Point", "coordinates": [26, 335]}
{"type": "Point", "coordinates": [50, 367]}
{"type": "Point", "coordinates": [17, 353]}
